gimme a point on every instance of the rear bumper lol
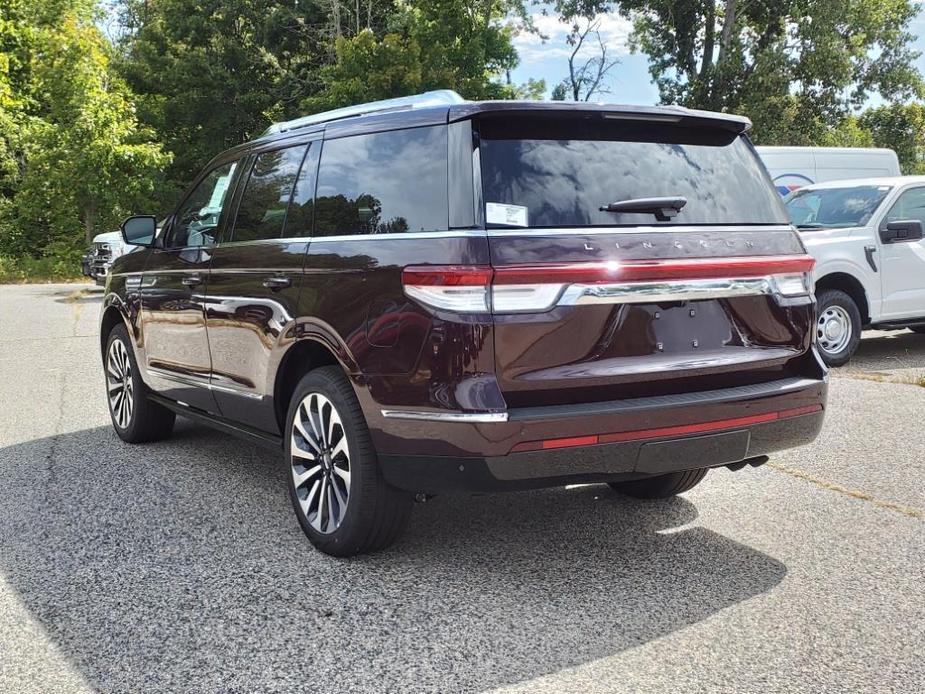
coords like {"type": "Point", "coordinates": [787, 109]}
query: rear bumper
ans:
{"type": "Point", "coordinates": [597, 442]}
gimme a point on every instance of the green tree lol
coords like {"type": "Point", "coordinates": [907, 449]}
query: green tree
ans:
{"type": "Point", "coordinates": [81, 160]}
{"type": "Point", "coordinates": [900, 127]}
{"type": "Point", "coordinates": [212, 75]}
{"type": "Point", "coordinates": [428, 44]}
{"type": "Point", "coordinates": [794, 66]}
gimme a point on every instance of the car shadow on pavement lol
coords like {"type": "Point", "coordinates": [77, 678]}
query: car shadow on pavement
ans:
{"type": "Point", "coordinates": [179, 566]}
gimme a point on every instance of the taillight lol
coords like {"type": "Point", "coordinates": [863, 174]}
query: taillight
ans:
{"type": "Point", "coordinates": [536, 288]}
{"type": "Point", "coordinates": [462, 288]}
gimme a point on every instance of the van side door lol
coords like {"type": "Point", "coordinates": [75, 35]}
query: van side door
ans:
{"type": "Point", "coordinates": [255, 278]}
{"type": "Point", "coordinates": [903, 272]}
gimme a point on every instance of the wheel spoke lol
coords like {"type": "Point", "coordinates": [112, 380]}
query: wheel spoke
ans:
{"type": "Point", "coordinates": [309, 439]}
{"type": "Point", "coordinates": [343, 474]}
{"type": "Point", "coordinates": [333, 521]}
{"type": "Point", "coordinates": [332, 420]}
{"type": "Point", "coordinates": [341, 447]}
{"type": "Point", "coordinates": [299, 452]}
{"type": "Point", "coordinates": [321, 503]}
{"type": "Point", "coordinates": [306, 503]}
{"type": "Point", "coordinates": [301, 477]}
{"type": "Point", "coordinates": [341, 500]}
{"type": "Point", "coordinates": [316, 429]}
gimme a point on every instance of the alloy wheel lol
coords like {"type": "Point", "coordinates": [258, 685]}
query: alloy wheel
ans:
{"type": "Point", "coordinates": [833, 330]}
{"type": "Point", "coordinates": [119, 384]}
{"type": "Point", "coordinates": [320, 463]}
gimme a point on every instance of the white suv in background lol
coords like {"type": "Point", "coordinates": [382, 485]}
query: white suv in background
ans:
{"type": "Point", "coordinates": [866, 236]}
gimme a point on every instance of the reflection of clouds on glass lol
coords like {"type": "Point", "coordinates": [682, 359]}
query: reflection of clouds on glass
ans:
{"type": "Point", "coordinates": [404, 171]}
{"type": "Point", "coordinates": [564, 182]}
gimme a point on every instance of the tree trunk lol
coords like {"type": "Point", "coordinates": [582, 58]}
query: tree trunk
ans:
{"type": "Point", "coordinates": [335, 17]}
{"type": "Point", "coordinates": [718, 87]}
{"type": "Point", "coordinates": [90, 221]}
{"type": "Point", "coordinates": [709, 38]}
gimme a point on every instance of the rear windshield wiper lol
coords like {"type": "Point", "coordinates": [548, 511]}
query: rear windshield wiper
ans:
{"type": "Point", "coordinates": [663, 208]}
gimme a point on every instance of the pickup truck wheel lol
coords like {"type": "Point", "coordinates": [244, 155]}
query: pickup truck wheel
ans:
{"type": "Point", "coordinates": [838, 326]}
{"type": "Point", "coordinates": [661, 486]}
{"type": "Point", "coordinates": [135, 418]}
{"type": "Point", "coordinates": [343, 504]}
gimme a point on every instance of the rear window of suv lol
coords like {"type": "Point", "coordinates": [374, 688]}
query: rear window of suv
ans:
{"type": "Point", "coordinates": [540, 172]}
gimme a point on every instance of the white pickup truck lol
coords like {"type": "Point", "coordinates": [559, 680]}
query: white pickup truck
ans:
{"type": "Point", "coordinates": [866, 236]}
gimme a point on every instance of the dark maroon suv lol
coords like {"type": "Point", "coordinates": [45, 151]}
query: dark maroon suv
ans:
{"type": "Point", "coordinates": [429, 295]}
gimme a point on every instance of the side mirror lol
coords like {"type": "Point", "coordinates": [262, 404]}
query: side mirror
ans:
{"type": "Point", "coordinates": [139, 230]}
{"type": "Point", "coordinates": [901, 231]}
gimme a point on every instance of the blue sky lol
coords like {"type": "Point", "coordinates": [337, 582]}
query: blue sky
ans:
{"type": "Point", "coordinates": [629, 81]}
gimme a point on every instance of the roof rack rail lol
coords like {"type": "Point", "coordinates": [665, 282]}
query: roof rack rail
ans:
{"type": "Point", "coordinates": [439, 97]}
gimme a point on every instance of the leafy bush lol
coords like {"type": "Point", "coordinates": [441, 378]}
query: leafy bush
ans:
{"type": "Point", "coordinates": [63, 268]}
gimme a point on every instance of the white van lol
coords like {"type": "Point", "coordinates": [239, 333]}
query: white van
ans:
{"type": "Point", "coordinates": [795, 167]}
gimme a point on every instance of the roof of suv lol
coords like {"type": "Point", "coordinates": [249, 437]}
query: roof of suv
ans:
{"type": "Point", "coordinates": [448, 105]}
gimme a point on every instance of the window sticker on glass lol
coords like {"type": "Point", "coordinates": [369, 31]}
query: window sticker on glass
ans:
{"type": "Point", "coordinates": [509, 215]}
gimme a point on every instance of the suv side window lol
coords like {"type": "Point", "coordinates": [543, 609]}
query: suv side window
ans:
{"type": "Point", "coordinates": [196, 222]}
{"type": "Point", "coordinates": [301, 208]}
{"type": "Point", "coordinates": [909, 205]}
{"type": "Point", "coordinates": [383, 183]}
{"type": "Point", "coordinates": [263, 205]}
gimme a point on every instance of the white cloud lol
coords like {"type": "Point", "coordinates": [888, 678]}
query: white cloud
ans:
{"type": "Point", "coordinates": [614, 29]}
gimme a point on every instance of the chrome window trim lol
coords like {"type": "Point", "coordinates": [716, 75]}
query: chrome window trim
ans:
{"type": "Point", "coordinates": [471, 417]}
{"type": "Point", "coordinates": [260, 242]}
{"type": "Point", "coordinates": [452, 233]}
{"type": "Point", "coordinates": [638, 229]}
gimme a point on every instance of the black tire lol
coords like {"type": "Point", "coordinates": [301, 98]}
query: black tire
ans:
{"type": "Point", "coordinates": [373, 513]}
{"type": "Point", "coordinates": [831, 302]}
{"type": "Point", "coordinates": [146, 421]}
{"type": "Point", "coordinates": [661, 486]}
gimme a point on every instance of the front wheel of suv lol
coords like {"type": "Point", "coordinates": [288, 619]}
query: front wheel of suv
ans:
{"type": "Point", "coordinates": [838, 326]}
{"type": "Point", "coordinates": [135, 418]}
{"type": "Point", "coordinates": [661, 486]}
{"type": "Point", "coordinates": [343, 504]}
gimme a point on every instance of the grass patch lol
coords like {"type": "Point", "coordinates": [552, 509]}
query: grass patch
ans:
{"type": "Point", "coordinates": [39, 270]}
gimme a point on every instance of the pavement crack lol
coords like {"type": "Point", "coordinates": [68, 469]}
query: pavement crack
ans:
{"type": "Point", "coordinates": [51, 473]}
{"type": "Point", "coordinates": [909, 511]}
{"type": "Point", "coordinates": [883, 378]}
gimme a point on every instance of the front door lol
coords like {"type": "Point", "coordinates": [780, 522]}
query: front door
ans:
{"type": "Point", "coordinates": [255, 278]}
{"type": "Point", "coordinates": [173, 287]}
{"type": "Point", "coordinates": [903, 269]}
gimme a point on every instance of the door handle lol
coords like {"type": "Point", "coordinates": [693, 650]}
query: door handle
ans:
{"type": "Point", "coordinates": [277, 283]}
{"type": "Point", "coordinates": [192, 280]}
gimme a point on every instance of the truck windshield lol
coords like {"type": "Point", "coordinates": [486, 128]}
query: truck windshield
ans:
{"type": "Point", "coordinates": [572, 172]}
{"type": "Point", "coordinates": [829, 208]}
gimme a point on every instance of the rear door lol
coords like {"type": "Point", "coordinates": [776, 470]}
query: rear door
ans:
{"type": "Point", "coordinates": [594, 305]}
{"type": "Point", "coordinates": [255, 277]}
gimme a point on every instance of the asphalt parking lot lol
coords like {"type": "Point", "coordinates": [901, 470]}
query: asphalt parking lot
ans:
{"type": "Point", "coordinates": [179, 566]}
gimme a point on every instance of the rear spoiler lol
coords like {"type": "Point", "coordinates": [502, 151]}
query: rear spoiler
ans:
{"type": "Point", "coordinates": [657, 114]}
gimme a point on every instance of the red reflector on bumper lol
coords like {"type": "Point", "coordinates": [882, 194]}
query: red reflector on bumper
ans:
{"type": "Point", "coordinates": [662, 432]}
